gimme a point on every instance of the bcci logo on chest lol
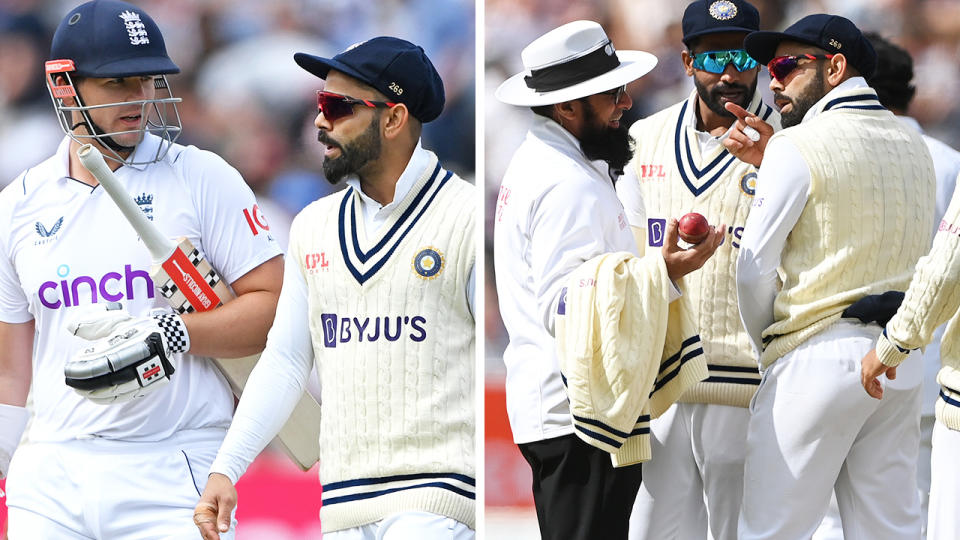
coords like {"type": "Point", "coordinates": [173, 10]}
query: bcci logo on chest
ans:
{"type": "Point", "coordinates": [428, 263]}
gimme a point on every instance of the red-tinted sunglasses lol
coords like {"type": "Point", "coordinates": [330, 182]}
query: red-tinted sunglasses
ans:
{"type": "Point", "coordinates": [337, 106]}
{"type": "Point", "coordinates": [782, 66]}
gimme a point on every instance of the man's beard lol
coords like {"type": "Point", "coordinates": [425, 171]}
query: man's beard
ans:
{"type": "Point", "coordinates": [353, 155]}
{"type": "Point", "coordinates": [712, 97]}
{"type": "Point", "coordinates": [808, 97]}
{"type": "Point", "coordinates": [600, 141]}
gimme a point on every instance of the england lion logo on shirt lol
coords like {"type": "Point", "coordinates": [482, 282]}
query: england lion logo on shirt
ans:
{"type": "Point", "coordinates": [428, 263]}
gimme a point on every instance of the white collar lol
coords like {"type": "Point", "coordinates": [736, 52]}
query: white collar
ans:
{"type": "Point", "coordinates": [557, 137]}
{"type": "Point", "coordinates": [413, 171]}
{"type": "Point", "coordinates": [850, 84]}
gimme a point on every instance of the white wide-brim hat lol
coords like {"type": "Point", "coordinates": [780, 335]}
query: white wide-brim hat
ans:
{"type": "Point", "coordinates": [570, 62]}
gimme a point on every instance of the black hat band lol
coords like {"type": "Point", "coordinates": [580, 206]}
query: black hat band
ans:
{"type": "Point", "coordinates": [573, 72]}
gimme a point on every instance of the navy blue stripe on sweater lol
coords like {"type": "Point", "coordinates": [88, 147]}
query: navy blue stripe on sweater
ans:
{"type": "Point", "coordinates": [949, 400]}
{"type": "Point", "coordinates": [868, 98]}
{"type": "Point", "coordinates": [372, 494]}
{"type": "Point", "coordinates": [397, 478]}
{"type": "Point", "coordinates": [601, 425]}
{"type": "Point", "coordinates": [363, 276]}
{"type": "Point", "coordinates": [364, 257]}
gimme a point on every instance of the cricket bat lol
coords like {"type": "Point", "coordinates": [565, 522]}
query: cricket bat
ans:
{"type": "Point", "coordinates": [189, 283]}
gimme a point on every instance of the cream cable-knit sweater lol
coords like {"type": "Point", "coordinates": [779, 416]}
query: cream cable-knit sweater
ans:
{"type": "Point", "coordinates": [622, 351]}
{"type": "Point", "coordinates": [393, 340]}
{"type": "Point", "coordinates": [869, 209]}
{"type": "Point", "coordinates": [674, 177]}
{"type": "Point", "coordinates": [932, 299]}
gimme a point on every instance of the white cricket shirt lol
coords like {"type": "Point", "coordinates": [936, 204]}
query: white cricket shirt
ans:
{"type": "Point", "coordinates": [556, 209]}
{"type": "Point", "coordinates": [64, 245]}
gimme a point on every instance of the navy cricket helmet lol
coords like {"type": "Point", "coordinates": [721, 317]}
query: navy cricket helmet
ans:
{"type": "Point", "coordinates": [112, 39]}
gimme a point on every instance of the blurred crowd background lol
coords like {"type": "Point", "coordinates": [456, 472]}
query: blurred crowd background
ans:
{"type": "Point", "coordinates": [243, 96]}
{"type": "Point", "coordinates": [245, 99]}
{"type": "Point", "coordinates": [928, 29]}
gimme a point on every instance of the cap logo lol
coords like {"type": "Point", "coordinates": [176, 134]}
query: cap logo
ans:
{"type": "Point", "coordinates": [135, 28]}
{"type": "Point", "coordinates": [723, 10]}
{"type": "Point", "coordinates": [355, 45]}
{"type": "Point", "coordinates": [396, 88]}
{"type": "Point", "coordinates": [835, 44]}
{"type": "Point", "coordinates": [74, 19]}
{"type": "Point", "coordinates": [609, 49]}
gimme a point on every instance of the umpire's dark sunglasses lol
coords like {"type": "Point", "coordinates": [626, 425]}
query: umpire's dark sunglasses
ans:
{"type": "Point", "coordinates": [337, 106]}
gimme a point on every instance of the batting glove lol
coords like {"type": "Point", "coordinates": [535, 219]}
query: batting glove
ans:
{"type": "Point", "coordinates": [129, 357]}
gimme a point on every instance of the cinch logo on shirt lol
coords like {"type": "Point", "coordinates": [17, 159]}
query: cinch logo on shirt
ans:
{"type": "Point", "coordinates": [110, 287]}
{"type": "Point", "coordinates": [370, 329]}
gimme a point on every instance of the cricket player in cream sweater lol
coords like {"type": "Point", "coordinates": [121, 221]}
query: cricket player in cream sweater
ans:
{"type": "Point", "coordinates": [680, 165]}
{"type": "Point", "coordinates": [378, 297]}
{"type": "Point", "coordinates": [844, 201]}
{"type": "Point", "coordinates": [931, 300]}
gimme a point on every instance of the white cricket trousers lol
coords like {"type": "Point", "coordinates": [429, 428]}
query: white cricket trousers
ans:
{"type": "Point", "coordinates": [695, 476]}
{"type": "Point", "coordinates": [407, 526]}
{"type": "Point", "coordinates": [105, 489]}
{"type": "Point", "coordinates": [943, 522]}
{"type": "Point", "coordinates": [813, 429]}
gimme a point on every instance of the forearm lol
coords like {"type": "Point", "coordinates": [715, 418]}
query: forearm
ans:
{"type": "Point", "coordinates": [269, 397]}
{"type": "Point", "coordinates": [275, 384]}
{"type": "Point", "coordinates": [932, 298]}
{"type": "Point", "coordinates": [16, 350]}
{"type": "Point", "coordinates": [239, 327]}
{"type": "Point", "coordinates": [16, 353]}
{"type": "Point", "coordinates": [234, 330]}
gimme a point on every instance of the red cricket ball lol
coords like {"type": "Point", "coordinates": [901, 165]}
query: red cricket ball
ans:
{"type": "Point", "coordinates": [693, 228]}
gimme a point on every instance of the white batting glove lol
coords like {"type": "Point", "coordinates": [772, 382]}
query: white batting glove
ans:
{"type": "Point", "coordinates": [129, 357]}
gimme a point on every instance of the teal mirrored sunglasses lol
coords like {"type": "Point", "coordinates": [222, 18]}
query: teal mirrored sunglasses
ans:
{"type": "Point", "coordinates": [717, 61]}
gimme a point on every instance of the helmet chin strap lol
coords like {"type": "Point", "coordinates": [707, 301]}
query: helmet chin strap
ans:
{"type": "Point", "coordinates": [97, 131]}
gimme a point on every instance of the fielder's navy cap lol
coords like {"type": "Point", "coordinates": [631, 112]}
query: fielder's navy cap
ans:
{"type": "Point", "coordinates": [397, 68]}
{"type": "Point", "coordinates": [109, 38]}
{"type": "Point", "coordinates": [832, 33]}
{"type": "Point", "coordinates": [714, 16]}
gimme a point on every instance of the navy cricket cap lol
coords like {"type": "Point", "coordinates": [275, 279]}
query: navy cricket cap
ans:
{"type": "Point", "coordinates": [109, 38]}
{"type": "Point", "coordinates": [397, 68]}
{"type": "Point", "coordinates": [832, 33]}
{"type": "Point", "coordinates": [714, 16]}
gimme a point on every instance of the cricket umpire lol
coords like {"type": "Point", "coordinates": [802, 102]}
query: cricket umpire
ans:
{"type": "Point", "coordinates": [844, 192]}
{"type": "Point", "coordinates": [557, 208]}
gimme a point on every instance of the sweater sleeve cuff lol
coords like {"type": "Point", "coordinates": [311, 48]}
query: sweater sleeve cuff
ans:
{"type": "Point", "coordinates": [889, 353]}
{"type": "Point", "coordinates": [635, 450]}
